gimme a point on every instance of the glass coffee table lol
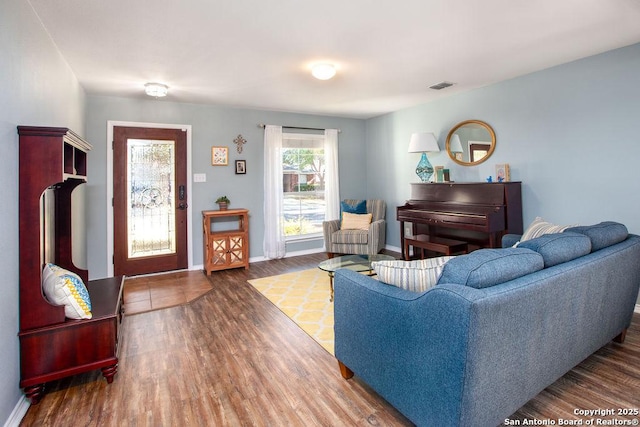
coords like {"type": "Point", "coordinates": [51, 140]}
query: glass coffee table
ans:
{"type": "Point", "coordinates": [359, 263]}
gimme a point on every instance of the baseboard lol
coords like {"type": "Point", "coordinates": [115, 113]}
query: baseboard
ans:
{"type": "Point", "coordinates": [289, 254]}
{"type": "Point", "coordinates": [393, 248]}
{"type": "Point", "coordinates": [18, 413]}
{"type": "Point", "coordinates": [637, 309]}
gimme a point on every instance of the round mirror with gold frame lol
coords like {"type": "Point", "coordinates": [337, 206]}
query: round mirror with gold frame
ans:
{"type": "Point", "coordinates": [471, 142]}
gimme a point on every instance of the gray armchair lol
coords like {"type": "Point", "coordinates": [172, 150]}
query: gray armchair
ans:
{"type": "Point", "coordinates": [359, 242]}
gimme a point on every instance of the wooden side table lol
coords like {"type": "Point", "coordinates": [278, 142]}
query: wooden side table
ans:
{"type": "Point", "coordinates": [436, 244]}
{"type": "Point", "coordinates": [228, 248]}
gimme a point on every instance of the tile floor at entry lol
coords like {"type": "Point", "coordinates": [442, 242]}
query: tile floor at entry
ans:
{"type": "Point", "coordinates": [154, 292]}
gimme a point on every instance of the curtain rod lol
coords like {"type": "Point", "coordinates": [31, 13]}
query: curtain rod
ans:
{"type": "Point", "coordinates": [262, 125]}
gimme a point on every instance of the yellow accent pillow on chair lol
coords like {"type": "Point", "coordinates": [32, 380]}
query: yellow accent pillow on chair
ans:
{"type": "Point", "coordinates": [355, 221]}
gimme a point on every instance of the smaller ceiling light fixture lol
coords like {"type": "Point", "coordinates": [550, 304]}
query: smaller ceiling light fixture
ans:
{"type": "Point", "coordinates": [423, 142]}
{"type": "Point", "coordinates": [323, 71]}
{"type": "Point", "coordinates": [156, 90]}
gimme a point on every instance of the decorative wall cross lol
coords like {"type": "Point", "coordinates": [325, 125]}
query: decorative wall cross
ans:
{"type": "Point", "coordinates": [239, 141]}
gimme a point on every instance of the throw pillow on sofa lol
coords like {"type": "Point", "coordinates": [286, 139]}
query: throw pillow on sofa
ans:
{"type": "Point", "coordinates": [63, 287]}
{"type": "Point", "coordinates": [415, 276]}
{"type": "Point", "coordinates": [539, 227]}
{"type": "Point", "coordinates": [488, 267]}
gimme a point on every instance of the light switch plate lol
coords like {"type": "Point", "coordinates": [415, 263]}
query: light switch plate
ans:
{"type": "Point", "coordinates": [199, 177]}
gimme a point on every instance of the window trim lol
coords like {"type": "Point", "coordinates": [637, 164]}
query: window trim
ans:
{"type": "Point", "coordinates": [304, 238]}
{"type": "Point", "coordinates": [318, 139]}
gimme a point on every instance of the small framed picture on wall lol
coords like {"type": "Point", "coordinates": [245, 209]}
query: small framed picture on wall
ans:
{"type": "Point", "coordinates": [241, 167]}
{"type": "Point", "coordinates": [219, 156]}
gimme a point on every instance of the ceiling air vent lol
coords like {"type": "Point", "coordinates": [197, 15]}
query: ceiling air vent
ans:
{"type": "Point", "coordinates": [441, 85]}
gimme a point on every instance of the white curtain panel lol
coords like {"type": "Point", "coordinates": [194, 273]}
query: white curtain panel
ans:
{"type": "Point", "coordinates": [331, 180]}
{"type": "Point", "coordinates": [274, 241]}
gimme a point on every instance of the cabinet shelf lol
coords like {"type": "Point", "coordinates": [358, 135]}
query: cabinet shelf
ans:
{"type": "Point", "coordinates": [74, 160]}
{"type": "Point", "coordinates": [225, 233]}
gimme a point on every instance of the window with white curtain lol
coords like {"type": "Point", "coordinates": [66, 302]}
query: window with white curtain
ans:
{"type": "Point", "coordinates": [303, 184]}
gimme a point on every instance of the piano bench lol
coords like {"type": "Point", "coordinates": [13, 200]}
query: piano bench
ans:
{"type": "Point", "coordinates": [435, 244]}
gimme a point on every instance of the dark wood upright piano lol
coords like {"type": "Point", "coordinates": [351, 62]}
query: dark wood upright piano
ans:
{"type": "Point", "coordinates": [479, 213]}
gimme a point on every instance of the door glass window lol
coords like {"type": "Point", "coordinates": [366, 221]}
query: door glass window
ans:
{"type": "Point", "coordinates": [151, 201]}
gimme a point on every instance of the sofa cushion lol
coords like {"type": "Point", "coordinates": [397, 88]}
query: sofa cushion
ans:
{"type": "Point", "coordinates": [539, 227]}
{"type": "Point", "coordinates": [352, 221]}
{"type": "Point", "coordinates": [559, 247]}
{"type": "Point", "coordinates": [415, 276]}
{"type": "Point", "coordinates": [488, 267]}
{"type": "Point", "coordinates": [511, 240]}
{"type": "Point", "coordinates": [605, 234]}
{"type": "Point", "coordinates": [63, 287]}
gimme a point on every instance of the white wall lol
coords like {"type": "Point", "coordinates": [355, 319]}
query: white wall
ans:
{"type": "Point", "coordinates": [37, 88]}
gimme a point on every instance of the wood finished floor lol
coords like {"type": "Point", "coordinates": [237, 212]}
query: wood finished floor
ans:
{"type": "Point", "coordinates": [231, 358]}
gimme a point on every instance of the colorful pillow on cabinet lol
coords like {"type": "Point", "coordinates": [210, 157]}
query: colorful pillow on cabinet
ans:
{"type": "Point", "coordinates": [63, 287]}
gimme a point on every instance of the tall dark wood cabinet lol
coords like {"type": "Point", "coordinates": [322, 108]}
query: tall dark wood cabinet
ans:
{"type": "Point", "coordinates": [53, 167]}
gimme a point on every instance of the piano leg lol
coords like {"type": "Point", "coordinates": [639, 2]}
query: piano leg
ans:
{"type": "Point", "coordinates": [495, 240]}
{"type": "Point", "coordinates": [404, 254]}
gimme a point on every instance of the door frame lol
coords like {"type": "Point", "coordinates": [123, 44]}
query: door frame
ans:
{"type": "Point", "coordinates": [109, 205]}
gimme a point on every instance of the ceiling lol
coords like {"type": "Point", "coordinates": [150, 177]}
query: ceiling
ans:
{"type": "Point", "coordinates": [257, 53]}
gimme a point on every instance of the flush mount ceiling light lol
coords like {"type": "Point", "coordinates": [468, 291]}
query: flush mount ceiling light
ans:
{"type": "Point", "coordinates": [156, 89]}
{"type": "Point", "coordinates": [323, 71]}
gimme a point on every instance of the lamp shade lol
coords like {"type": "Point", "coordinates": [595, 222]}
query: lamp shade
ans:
{"type": "Point", "coordinates": [422, 142]}
{"type": "Point", "coordinates": [455, 146]}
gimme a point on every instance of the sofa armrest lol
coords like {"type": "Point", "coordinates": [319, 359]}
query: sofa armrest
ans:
{"type": "Point", "coordinates": [409, 347]}
{"type": "Point", "coordinates": [377, 235]}
{"type": "Point", "coordinates": [328, 228]}
{"type": "Point", "coordinates": [508, 240]}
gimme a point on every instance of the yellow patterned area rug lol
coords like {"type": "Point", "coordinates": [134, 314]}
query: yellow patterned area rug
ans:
{"type": "Point", "coordinates": [304, 297]}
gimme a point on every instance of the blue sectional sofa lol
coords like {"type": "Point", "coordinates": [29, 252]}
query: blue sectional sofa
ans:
{"type": "Point", "coordinates": [499, 327]}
